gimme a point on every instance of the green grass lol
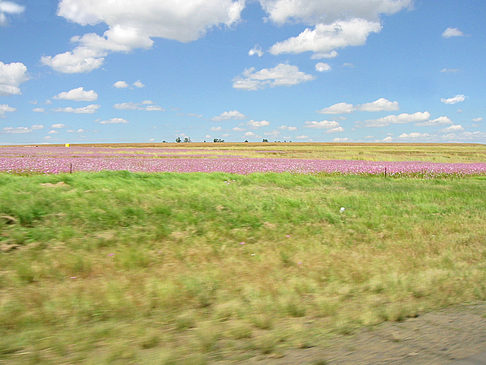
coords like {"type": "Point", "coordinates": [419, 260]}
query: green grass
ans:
{"type": "Point", "coordinates": [116, 267]}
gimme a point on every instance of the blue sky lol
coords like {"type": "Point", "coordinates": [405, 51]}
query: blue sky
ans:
{"type": "Point", "coordinates": [84, 71]}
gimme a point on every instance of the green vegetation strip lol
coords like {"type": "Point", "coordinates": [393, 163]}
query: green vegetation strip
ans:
{"type": "Point", "coordinates": [195, 268]}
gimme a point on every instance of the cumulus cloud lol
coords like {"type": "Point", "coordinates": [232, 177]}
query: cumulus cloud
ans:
{"type": "Point", "coordinates": [327, 11]}
{"type": "Point", "coordinates": [258, 124]}
{"type": "Point", "coordinates": [216, 129]}
{"type": "Point", "coordinates": [38, 110]}
{"type": "Point", "coordinates": [133, 24]}
{"type": "Point", "coordinates": [339, 108]}
{"type": "Point", "coordinates": [58, 125]}
{"type": "Point", "coordinates": [256, 51]}
{"type": "Point", "coordinates": [4, 108]}
{"type": "Point", "coordinates": [478, 119]}
{"type": "Point", "coordinates": [324, 124]}
{"type": "Point", "coordinates": [138, 84]}
{"type": "Point", "coordinates": [78, 94]}
{"type": "Point", "coordinates": [114, 121]}
{"type": "Point", "coordinates": [17, 130]}
{"type": "Point", "coordinates": [438, 121]}
{"type": "Point", "coordinates": [120, 84]}
{"type": "Point", "coordinates": [89, 109]}
{"type": "Point", "coordinates": [388, 139]}
{"type": "Point", "coordinates": [145, 106]}
{"type": "Point", "coordinates": [238, 129]}
{"type": "Point", "coordinates": [280, 75]}
{"type": "Point", "coordinates": [378, 105]}
{"type": "Point", "coordinates": [454, 128]}
{"type": "Point", "coordinates": [11, 76]}
{"type": "Point", "coordinates": [398, 119]}
{"type": "Point", "coordinates": [9, 8]}
{"type": "Point", "coordinates": [454, 100]}
{"type": "Point", "coordinates": [229, 115]}
{"type": "Point", "coordinates": [327, 37]}
{"type": "Point", "coordinates": [340, 140]}
{"type": "Point", "coordinates": [302, 137]}
{"type": "Point", "coordinates": [452, 32]}
{"type": "Point", "coordinates": [318, 56]}
{"type": "Point", "coordinates": [250, 134]}
{"type": "Point", "coordinates": [413, 135]}
{"type": "Point", "coordinates": [322, 67]}
{"type": "Point", "coordinates": [287, 128]}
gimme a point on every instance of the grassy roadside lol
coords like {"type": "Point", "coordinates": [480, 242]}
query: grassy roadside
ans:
{"type": "Point", "coordinates": [192, 268]}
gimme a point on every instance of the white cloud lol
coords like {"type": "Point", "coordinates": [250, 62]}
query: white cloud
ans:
{"type": "Point", "coordinates": [4, 108]}
{"type": "Point", "coordinates": [258, 124]}
{"type": "Point", "coordinates": [52, 132]}
{"type": "Point", "coordinates": [78, 94]}
{"type": "Point", "coordinates": [89, 109]}
{"type": "Point", "coordinates": [273, 133]}
{"type": "Point", "coordinates": [39, 110]}
{"type": "Point", "coordinates": [452, 32]}
{"type": "Point", "coordinates": [454, 128]}
{"type": "Point", "coordinates": [287, 128]}
{"type": "Point", "coordinates": [325, 124]}
{"type": "Point", "coordinates": [238, 129]}
{"type": "Point", "coordinates": [132, 24]}
{"type": "Point", "coordinates": [229, 115]}
{"type": "Point", "coordinates": [339, 140]}
{"type": "Point", "coordinates": [302, 137]}
{"type": "Point", "coordinates": [17, 130]}
{"type": "Point", "coordinates": [388, 139]}
{"type": "Point", "coordinates": [322, 67]}
{"type": "Point", "coordinates": [339, 108]}
{"type": "Point", "coordinates": [58, 125]}
{"type": "Point", "coordinates": [256, 51]}
{"type": "Point", "coordinates": [11, 8]}
{"type": "Point", "coordinates": [139, 106]}
{"type": "Point", "coordinates": [37, 127]}
{"type": "Point", "coordinates": [449, 70]}
{"type": "Point", "coordinates": [335, 130]}
{"type": "Point", "coordinates": [216, 129]}
{"type": "Point", "coordinates": [328, 37]}
{"type": "Point", "coordinates": [280, 75]}
{"type": "Point", "coordinates": [413, 135]}
{"type": "Point", "coordinates": [438, 121]}
{"type": "Point", "coordinates": [327, 11]}
{"type": "Point", "coordinates": [479, 119]}
{"type": "Point", "coordinates": [379, 105]}
{"type": "Point", "coordinates": [120, 84]}
{"type": "Point", "coordinates": [250, 134]}
{"type": "Point", "coordinates": [138, 84]}
{"type": "Point", "coordinates": [398, 119]}
{"type": "Point", "coordinates": [318, 56]}
{"type": "Point", "coordinates": [114, 121]}
{"type": "Point", "coordinates": [11, 76]}
{"type": "Point", "coordinates": [454, 100]}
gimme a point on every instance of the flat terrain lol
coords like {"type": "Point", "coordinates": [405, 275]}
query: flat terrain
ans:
{"type": "Point", "coordinates": [118, 267]}
{"type": "Point", "coordinates": [329, 151]}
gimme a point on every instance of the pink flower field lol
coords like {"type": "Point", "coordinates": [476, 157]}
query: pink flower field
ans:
{"type": "Point", "coordinates": [52, 160]}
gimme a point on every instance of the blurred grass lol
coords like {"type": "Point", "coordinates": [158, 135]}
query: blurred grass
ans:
{"type": "Point", "coordinates": [117, 267]}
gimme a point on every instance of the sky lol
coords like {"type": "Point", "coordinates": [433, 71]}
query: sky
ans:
{"type": "Point", "coordinates": [106, 71]}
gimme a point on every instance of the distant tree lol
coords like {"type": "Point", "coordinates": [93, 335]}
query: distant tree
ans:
{"type": "Point", "coordinates": [187, 139]}
{"type": "Point", "coordinates": [218, 140]}
{"type": "Point", "coordinates": [246, 141]}
{"type": "Point", "coordinates": [265, 140]}
{"type": "Point", "coordinates": [178, 140]}
{"type": "Point", "coordinates": [164, 142]}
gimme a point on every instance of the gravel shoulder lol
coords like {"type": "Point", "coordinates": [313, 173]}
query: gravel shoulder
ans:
{"type": "Point", "coordinates": [451, 336]}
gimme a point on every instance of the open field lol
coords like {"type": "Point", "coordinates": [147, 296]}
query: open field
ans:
{"type": "Point", "coordinates": [119, 267]}
{"type": "Point", "coordinates": [465, 153]}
